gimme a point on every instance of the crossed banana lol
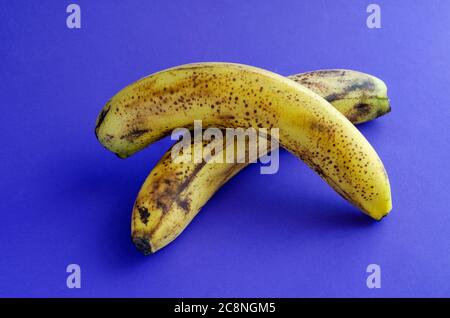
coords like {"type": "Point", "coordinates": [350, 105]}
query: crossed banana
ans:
{"type": "Point", "coordinates": [235, 95]}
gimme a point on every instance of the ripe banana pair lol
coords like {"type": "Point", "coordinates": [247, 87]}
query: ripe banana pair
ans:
{"type": "Point", "coordinates": [235, 95]}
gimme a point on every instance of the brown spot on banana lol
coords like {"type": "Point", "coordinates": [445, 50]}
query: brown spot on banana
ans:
{"type": "Point", "coordinates": [143, 214]}
{"type": "Point", "coordinates": [361, 111]}
{"type": "Point", "coordinates": [133, 134]}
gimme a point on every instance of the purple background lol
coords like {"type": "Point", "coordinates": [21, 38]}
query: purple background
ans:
{"type": "Point", "coordinates": [65, 199]}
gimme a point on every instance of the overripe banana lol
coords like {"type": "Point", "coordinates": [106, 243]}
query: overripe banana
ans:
{"type": "Point", "coordinates": [234, 95]}
{"type": "Point", "coordinates": [174, 193]}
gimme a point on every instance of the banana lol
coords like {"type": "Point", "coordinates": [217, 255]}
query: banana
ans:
{"type": "Point", "coordinates": [358, 96]}
{"type": "Point", "coordinates": [235, 95]}
{"type": "Point", "coordinates": [173, 193]}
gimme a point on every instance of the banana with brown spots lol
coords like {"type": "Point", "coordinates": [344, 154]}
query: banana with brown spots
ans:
{"type": "Point", "coordinates": [173, 193]}
{"type": "Point", "coordinates": [235, 95]}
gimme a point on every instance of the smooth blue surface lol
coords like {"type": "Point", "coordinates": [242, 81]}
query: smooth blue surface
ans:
{"type": "Point", "coordinates": [65, 199]}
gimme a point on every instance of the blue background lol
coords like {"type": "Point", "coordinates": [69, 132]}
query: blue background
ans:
{"type": "Point", "coordinates": [65, 199]}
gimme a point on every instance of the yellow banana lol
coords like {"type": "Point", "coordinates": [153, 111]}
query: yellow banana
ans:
{"type": "Point", "coordinates": [234, 95]}
{"type": "Point", "coordinates": [174, 193]}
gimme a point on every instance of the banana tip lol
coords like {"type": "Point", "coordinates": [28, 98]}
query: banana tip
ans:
{"type": "Point", "coordinates": [389, 108]}
{"type": "Point", "coordinates": [143, 245]}
{"type": "Point", "coordinates": [382, 216]}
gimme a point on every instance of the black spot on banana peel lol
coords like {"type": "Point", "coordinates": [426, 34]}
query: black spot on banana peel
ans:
{"type": "Point", "coordinates": [339, 173]}
{"type": "Point", "coordinates": [143, 214]}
